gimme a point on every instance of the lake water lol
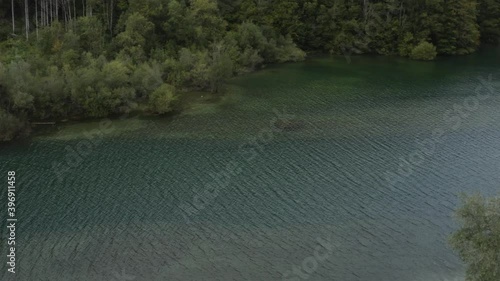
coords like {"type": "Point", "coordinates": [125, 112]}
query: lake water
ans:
{"type": "Point", "coordinates": [319, 170]}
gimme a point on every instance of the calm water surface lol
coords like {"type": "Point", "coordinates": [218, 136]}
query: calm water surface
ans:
{"type": "Point", "coordinates": [318, 182]}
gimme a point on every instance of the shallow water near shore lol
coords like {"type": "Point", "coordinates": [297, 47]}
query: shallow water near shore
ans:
{"type": "Point", "coordinates": [105, 200]}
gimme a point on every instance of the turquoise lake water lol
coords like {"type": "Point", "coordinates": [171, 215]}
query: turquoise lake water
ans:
{"type": "Point", "coordinates": [319, 170]}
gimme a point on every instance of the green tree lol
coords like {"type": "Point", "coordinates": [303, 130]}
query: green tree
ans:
{"type": "Point", "coordinates": [459, 34]}
{"type": "Point", "coordinates": [489, 20]}
{"type": "Point", "coordinates": [51, 94]}
{"type": "Point", "coordinates": [147, 77]}
{"type": "Point", "coordinates": [209, 27]}
{"type": "Point", "coordinates": [406, 45]}
{"type": "Point", "coordinates": [178, 27]}
{"type": "Point", "coordinates": [18, 81]}
{"type": "Point", "coordinates": [90, 33]}
{"type": "Point", "coordinates": [478, 239]}
{"type": "Point", "coordinates": [10, 126]}
{"type": "Point", "coordinates": [132, 42]}
{"type": "Point", "coordinates": [221, 66]}
{"type": "Point", "coordinates": [284, 16]}
{"type": "Point", "coordinates": [101, 88]}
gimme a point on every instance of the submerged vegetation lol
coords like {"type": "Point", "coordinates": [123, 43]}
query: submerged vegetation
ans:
{"type": "Point", "coordinates": [94, 58]}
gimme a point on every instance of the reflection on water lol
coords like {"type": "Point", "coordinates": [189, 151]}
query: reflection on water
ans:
{"type": "Point", "coordinates": [318, 183]}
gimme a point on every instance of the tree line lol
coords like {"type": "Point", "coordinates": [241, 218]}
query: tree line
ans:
{"type": "Point", "coordinates": [94, 58]}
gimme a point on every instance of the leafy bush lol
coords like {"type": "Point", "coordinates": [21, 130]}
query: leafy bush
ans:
{"type": "Point", "coordinates": [147, 77]}
{"type": "Point", "coordinates": [287, 50]}
{"type": "Point", "coordinates": [100, 88]}
{"type": "Point", "coordinates": [160, 101]}
{"type": "Point", "coordinates": [51, 94]}
{"type": "Point", "coordinates": [424, 51]}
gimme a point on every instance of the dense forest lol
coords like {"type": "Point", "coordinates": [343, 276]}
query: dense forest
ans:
{"type": "Point", "coordinates": [96, 58]}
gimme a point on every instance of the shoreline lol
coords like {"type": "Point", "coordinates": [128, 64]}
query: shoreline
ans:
{"type": "Point", "coordinates": [187, 98]}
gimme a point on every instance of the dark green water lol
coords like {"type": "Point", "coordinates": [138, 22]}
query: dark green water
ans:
{"type": "Point", "coordinates": [318, 181]}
